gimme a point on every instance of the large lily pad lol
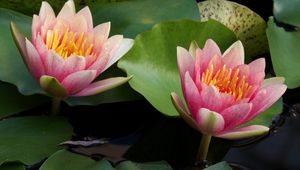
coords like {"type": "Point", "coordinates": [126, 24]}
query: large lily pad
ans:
{"type": "Point", "coordinates": [249, 27]}
{"type": "Point", "coordinates": [13, 102]}
{"type": "Point", "coordinates": [285, 53]}
{"type": "Point", "coordinates": [287, 11]}
{"type": "Point", "coordinates": [12, 67]}
{"type": "Point", "coordinates": [132, 17]}
{"type": "Point", "coordinates": [12, 166]}
{"type": "Point", "coordinates": [31, 139]}
{"type": "Point", "coordinates": [64, 159]}
{"type": "Point", "coordinates": [152, 60]}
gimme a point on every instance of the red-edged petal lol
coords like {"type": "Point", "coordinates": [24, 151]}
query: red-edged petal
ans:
{"type": "Point", "coordinates": [191, 94]}
{"type": "Point", "coordinates": [185, 62]}
{"type": "Point", "coordinates": [77, 81]}
{"type": "Point", "coordinates": [235, 114]}
{"type": "Point", "coordinates": [234, 55]}
{"type": "Point", "coordinates": [265, 98]}
{"type": "Point", "coordinates": [209, 122]}
{"type": "Point", "coordinates": [102, 85]}
{"type": "Point", "coordinates": [68, 11]}
{"type": "Point", "coordinates": [33, 60]}
{"type": "Point", "coordinates": [246, 132]}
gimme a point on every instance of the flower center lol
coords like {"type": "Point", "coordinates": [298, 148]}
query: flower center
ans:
{"type": "Point", "coordinates": [227, 81]}
{"type": "Point", "coordinates": [70, 43]}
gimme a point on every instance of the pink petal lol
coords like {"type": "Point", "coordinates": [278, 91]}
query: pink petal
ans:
{"type": "Point", "coordinates": [79, 24]}
{"type": "Point", "coordinates": [235, 114]}
{"type": "Point", "coordinates": [177, 102]}
{"type": "Point", "coordinates": [110, 48]}
{"type": "Point", "coordinates": [45, 11]}
{"type": "Point", "coordinates": [246, 132]}
{"type": "Point", "coordinates": [73, 64]}
{"type": "Point", "coordinates": [209, 96]}
{"type": "Point", "coordinates": [42, 49]}
{"type": "Point", "coordinates": [68, 11]}
{"type": "Point", "coordinates": [265, 98]}
{"type": "Point", "coordinates": [36, 24]}
{"type": "Point", "coordinates": [61, 26]}
{"type": "Point", "coordinates": [234, 55]}
{"type": "Point", "coordinates": [102, 85]}
{"type": "Point", "coordinates": [54, 65]}
{"type": "Point", "coordinates": [33, 60]}
{"type": "Point", "coordinates": [123, 49]}
{"type": "Point", "coordinates": [191, 94]}
{"type": "Point", "coordinates": [257, 71]}
{"type": "Point", "coordinates": [273, 80]}
{"type": "Point", "coordinates": [86, 13]}
{"type": "Point", "coordinates": [101, 33]}
{"type": "Point", "coordinates": [209, 122]}
{"type": "Point", "coordinates": [77, 81]}
{"type": "Point", "coordinates": [210, 49]}
{"type": "Point", "coordinates": [185, 62]}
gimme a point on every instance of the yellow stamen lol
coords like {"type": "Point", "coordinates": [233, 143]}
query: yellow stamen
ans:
{"type": "Point", "coordinates": [227, 81]}
{"type": "Point", "coordinates": [67, 43]}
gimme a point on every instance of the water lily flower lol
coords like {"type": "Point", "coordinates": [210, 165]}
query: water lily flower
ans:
{"type": "Point", "coordinates": [222, 93]}
{"type": "Point", "coordinates": [66, 52]}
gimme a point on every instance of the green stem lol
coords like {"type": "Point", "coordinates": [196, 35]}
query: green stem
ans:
{"type": "Point", "coordinates": [55, 106]}
{"type": "Point", "coordinates": [203, 148]}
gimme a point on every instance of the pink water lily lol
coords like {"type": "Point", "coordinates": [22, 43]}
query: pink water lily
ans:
{"type": "Point", "coordinates": [222, 93]}
{"type": "Point", "coordinates": [67, 53]}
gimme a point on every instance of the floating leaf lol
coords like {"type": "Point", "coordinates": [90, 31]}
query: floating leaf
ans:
{"type": "Point", "coordinates": [287, 11]}
{"type": "Point", "coordinates": [12, 166]}
{"type": "Point", "coordinates": [63, 159]}
{"type": "Point", "coordinates": [249, 27]}
{"type": "Point", "coordinates": [13, 102]}
{"type": "Point", "coordinates": [31, 139]}
{"type": "Point", "coordinates": [285, 53]}
{"type": "Point", "coordinates": [152, 60]}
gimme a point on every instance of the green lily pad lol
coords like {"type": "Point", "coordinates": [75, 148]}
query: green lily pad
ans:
{"type": "Point", "coordinates": [135, 16]}
{"type": "Point", "coordinates": [63, 159]}
{"type": "Point", "coordinates": [248, 26]}
{"type": "Point", "coordinates": [12, 67]}
{"type": "Point", "coordinates": [152, 60]}
{"type": "Point", "coordinates": [31, 139]}
{"type": "Point", "coordinates": [128, 165]}
{"type": "Point", "coordinates": [284, 49]}
{"type": "Point", "coordinates": [287, 11]}
{"type": "Point", "coordinates": [12, 166]}
{"type": "Point", "coordinates": [13, 102]}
